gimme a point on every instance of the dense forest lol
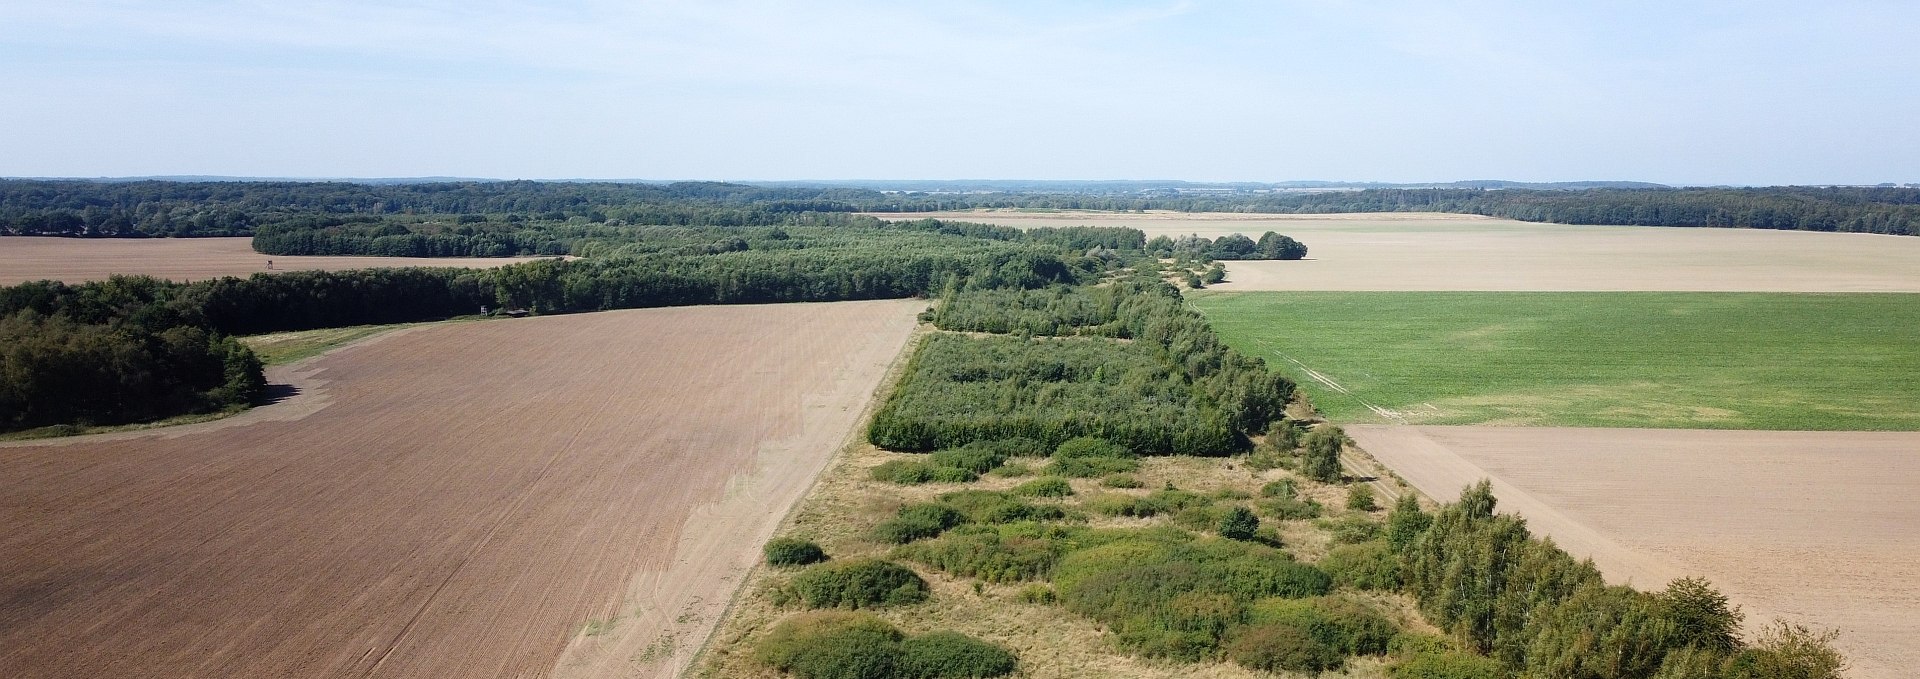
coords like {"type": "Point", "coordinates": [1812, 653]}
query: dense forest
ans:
{"type": "Point", "coordinates": [491, 209]}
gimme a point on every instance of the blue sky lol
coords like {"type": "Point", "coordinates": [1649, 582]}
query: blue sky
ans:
{"type": "Point", "coordinates": [1674, 92]}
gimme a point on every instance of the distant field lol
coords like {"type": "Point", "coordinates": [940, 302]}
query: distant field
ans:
{"type": "Point", "coordinates": [1694, 360]}
{"type": "Point", "coordinates": [560, 496]}
{"type": "Point", "coordinates": [33, 258]}
{"type": "Point", "coordinates": [1428, 251]}
{"type": "Point", "coordinates": [1814, 527]}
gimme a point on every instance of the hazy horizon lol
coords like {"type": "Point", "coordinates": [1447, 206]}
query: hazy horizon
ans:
{"type": "Point", "coordinates": [1709, 93]}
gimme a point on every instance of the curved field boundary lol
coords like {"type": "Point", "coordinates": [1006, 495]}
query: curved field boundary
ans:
{"type": "Point", "coordinates": [1812, 527]}
{"type": "Point", "coordinates": [538, 497]}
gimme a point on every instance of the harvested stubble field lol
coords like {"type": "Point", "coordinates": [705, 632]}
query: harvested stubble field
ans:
{"type": "Point", "coordinates": [1813, 527]}
{"type": "Point", "coordinates": [73, 260]}
{"type": "Point", "coordinates": [1430, 251]}
{"type": "Point", "coordinates": [1684, 360]}
{"type": "Point", "coordinates": [556, 496]}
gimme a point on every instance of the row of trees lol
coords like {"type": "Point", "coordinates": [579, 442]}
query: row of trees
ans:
{"type": "Point", "coordinates": [1174, 389]}
{"type": "Point", "coordinates": [1483, 578]}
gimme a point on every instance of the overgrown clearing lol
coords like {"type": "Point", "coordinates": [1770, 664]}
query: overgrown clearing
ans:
{"type": "Point", "coordinates": [1813, 526]}
{"type": "Point", "coordinates": [569, 495]}
{"type": "Point", "coordinates": [1693, 360]}
{"type": "Point", "coordinates": [33, 258]}
{"type": "Point", "coordinates": [1425, 251]}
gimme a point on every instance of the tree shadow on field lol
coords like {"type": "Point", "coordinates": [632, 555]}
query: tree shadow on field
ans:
{"type": "Point", "coordinates": [277, 393]}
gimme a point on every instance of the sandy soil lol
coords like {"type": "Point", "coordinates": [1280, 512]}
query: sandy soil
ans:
{"type": "Point", "coordinates": [1425, 251]}
{"type": "Point", "coordinates": [570, 495]}
{"type": "Point", "coordinates": [1813, 527]}
{"type": "Point", "coordinates": [33, 258]}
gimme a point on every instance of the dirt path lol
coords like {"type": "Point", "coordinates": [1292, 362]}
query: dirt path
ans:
{"type": "Point", "coordinates": [32, 258]}
{"type": "Point", "coordinates": [1813, 527]}
{"type": "Point", "coordinates": [526, 498]}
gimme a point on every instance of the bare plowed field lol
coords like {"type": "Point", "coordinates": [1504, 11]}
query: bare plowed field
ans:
{"type": "Point", "coordinates": [1813, 527]}
{"type": "Point", "coordinates": [1425, 251]}
{"type": "Point", "coordinates": [33, 258]}
{"type": "Point", "coordinates": [558, 496]}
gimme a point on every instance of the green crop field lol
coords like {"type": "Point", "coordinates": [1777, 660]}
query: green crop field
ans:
{"type": "Point", "coordinates": [1617, 359]}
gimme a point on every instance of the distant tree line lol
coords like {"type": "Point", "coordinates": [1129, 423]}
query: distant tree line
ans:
{"type": "Point", "coordinates": [134, 348]}
{"type": "Point", "coordinates": [162, 208]}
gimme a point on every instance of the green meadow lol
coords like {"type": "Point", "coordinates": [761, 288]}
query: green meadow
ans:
{"type": "Point", "coordinates": [1609, 359]}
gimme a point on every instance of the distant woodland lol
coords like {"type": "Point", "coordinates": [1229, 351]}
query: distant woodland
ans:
{"type": "Point", "coordinates": [491, 218]}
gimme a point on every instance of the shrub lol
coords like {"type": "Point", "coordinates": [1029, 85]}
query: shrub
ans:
{"type": "Point", "coordinates": [1367, 565]}
{"type": "Point", "coordinates": [994, 554]}
{"type": "Point", "coordinates": [1012, 470]}
{"type": "Point", "coordinates": [1787, 651]}
{"type": "Point", "coordinates": [1091, 447]}
{"type": "Point", "coordinates": [860, 583]}
{"type": "Point", "coordinates": [1121, 481]}
{"type": "Point", "coordinates": [940, 655]}
{"type": "Point", "coordinates": [1231, 494]}
{"type": "Point", "coordinates": [986, 506]}
{"type": "Point", "coordinates": [1089, 467]}
{"type": "Point", "coordinates": [1287, 509]}
{"type": "Point", "coordinates": [1347, 626]}
{"type": "Point", "coordinates": [1045, 486]}
{"type": "Point", "coordinates": [914, 472]}
{"type": "Point", "coordinates": [832, 645]}
{"type": "Point", "coordinates": [1239, 524]}
{"type": "Point", "coordinates": [1448, 665]}
{"type": "Point", "coordinates": [1406, 522]}
{"type": "Point", "coordinates": [1119, 504]}
{"type": "Point", "coordinates": [1351, 529]}
{"type": "Point", "coordinates": [1038, 594]}
{"type": "Point", "coordinates": [917, 521]}
{"type": "Point", "coordinates": [1285, 489]}
{"type": "Point", "coordinates": [1322, 446]}
{"type": "Point", "coordinates": [793, 552]}
{"type": "Point", "coordinates": [978, 457]}
{"type": "Point", "coordinates": [1360, 498]}
{"type": "Point", "coordinates": [1282, 648]}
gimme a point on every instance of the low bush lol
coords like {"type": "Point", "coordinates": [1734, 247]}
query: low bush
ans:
{"type": "Point", "coordinates": [940, 655]}
{"type": "Point", "coordinates": [1285, 489]}
{"type": "Point", "coordinates": [1238, 524]}
{"type": "Point", "coordinates": [1121, 481]}
{"type": "Point", "coordinates": [1370, 565]}
{"type": "Point", "coordinates": [1091, 447]}
{"type": "Point", "coordinates": [1012, 470]}
{"type": "Point", "coordinates": [860, 583]}
{"type": "Point", "coordinates": [1038, 594]}
{"type": "Point", "coordinates": [843, 645]}
{"type": "Point", "coordinates": [1289, 509]}
{"type": "Point", "coordinates": [793, 552]}
{"type": "Point", "coordinates": [917, 521]}
{"type": "Point", "coordinates": [1448, 665]}
{"type": "Point", "coordinates": [1231, 493]}
{"type": "Point", "coordinates": [832, 645]}
{"type": "Point", "coordinates": [1045, 486]}
{"type": "Point", "coordinates": [1282, 648]}
{"type": "Point", "coordinates": [978, 457]}
{"type": "Point", "coordinates": [1010, 553]}
{"type": "Point", "coordinates": [992, 507]}
{"type": "Point", "coordinates": [1090, 467]}
{"type": "Point", "coordinates": [1360, 498]}
{"type": "Point", "coordinates": [1351, 529]}
{"type": "Point", "coordinates": [915, 472]}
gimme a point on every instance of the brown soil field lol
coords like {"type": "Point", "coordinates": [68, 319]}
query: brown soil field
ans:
{"type": "Point", "coordinates": [555, 496]}
{"type": "Point", "coordinates": [1429, 251]}
{"type": "Point", "coordinates": [73, 260]}
{"type": "Point", "coordinates": [1811, 527]}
